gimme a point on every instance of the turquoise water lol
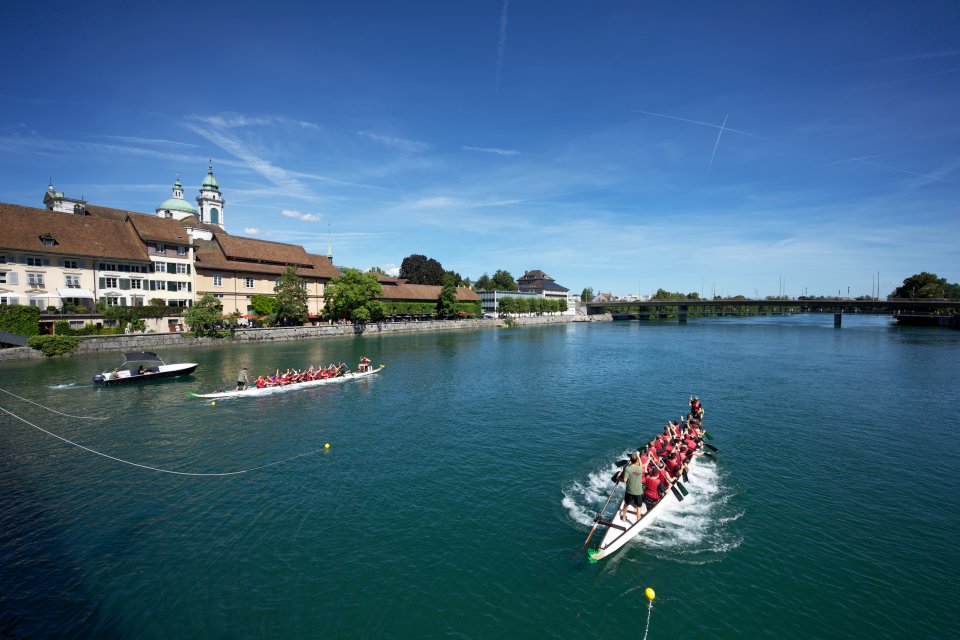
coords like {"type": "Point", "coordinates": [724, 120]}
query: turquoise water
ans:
{"type": "Point", "coordinates": [461, 481]}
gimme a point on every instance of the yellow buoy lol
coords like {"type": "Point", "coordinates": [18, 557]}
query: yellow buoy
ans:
{"type": "Point", "coordinates": [213, 404]}
{"type": "Point", "coordinates": [326, 446]}
{"type": "Point", "coordinates": [651, 594]}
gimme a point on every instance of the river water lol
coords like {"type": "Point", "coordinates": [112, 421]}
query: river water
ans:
{"type": "Point", "coordinates": [461, 480]}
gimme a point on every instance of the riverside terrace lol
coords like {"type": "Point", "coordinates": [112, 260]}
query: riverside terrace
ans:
{"type": "Point", "coordinates": [898, 307]}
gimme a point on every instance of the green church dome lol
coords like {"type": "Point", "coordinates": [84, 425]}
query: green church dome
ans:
{"type": "Point", "coordinates": [176, 204]}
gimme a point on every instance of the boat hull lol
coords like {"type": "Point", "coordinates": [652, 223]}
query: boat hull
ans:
{"type": "Point", "coordinates": [130, 377]}
{"type": "Point", "coordinates": [623, 531]}
{"type": "Point", "coordinates": [254, 392]}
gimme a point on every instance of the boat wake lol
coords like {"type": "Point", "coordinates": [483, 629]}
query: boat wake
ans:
{"type": "Point", "coordinates": [700, 529]}
{"type": "Point", "coordinates": [65, 385]}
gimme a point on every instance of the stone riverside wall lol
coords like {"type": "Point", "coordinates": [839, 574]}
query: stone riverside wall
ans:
{"type": "Point", "coordinates": [160, 341]}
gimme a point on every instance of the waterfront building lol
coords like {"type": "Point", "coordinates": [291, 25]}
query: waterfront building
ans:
{"type": "Point", "coordinates": [490, 300]}
{"type": "Point", "coordinates": [536, 281]}
{"type": "Point", "coordinates": [97, 254]}
{"type": "Point", "coordinates": [49, 259]}
{"type": "Point", "coordinates": [397, 291]}
{"type": "Point", "coordinates": [233, 269]}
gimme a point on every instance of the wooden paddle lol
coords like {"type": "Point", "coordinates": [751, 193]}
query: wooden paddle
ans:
{"type": "Point", "coordinates": [596, 522]}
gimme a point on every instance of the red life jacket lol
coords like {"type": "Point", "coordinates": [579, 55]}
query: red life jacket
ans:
{"type": "Point", "coordinates": [651, 487]}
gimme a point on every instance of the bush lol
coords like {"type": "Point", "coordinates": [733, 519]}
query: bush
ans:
{"type": "Point", "coordinates": [54, 345]}
{"type": "Point", "coordinates": [19, 319]}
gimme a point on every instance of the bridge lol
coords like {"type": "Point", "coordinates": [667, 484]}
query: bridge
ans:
{"type": "Point", "coordinates": [838, 306]}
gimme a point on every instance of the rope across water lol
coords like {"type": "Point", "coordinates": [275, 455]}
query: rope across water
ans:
{"type": "Point", "coordinates": [66, 415]}
{"type": "Point", "coordinates": [157, 469]}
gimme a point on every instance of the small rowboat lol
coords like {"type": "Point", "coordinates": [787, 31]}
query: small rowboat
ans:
{"type": "Point", "coordinates": [255, 392]}
{"type": "Point", "coordinates": [620, 532]}
{"type": "Point", "coordinates": [153, 367]}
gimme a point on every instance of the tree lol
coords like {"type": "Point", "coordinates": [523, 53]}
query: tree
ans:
{"type": "Point", "coordinates": [203, 316]}
{"type": "Point", "coordinates": [351, 291]}
{"type": "Point", "coordinates": [447, 300]}
{"type": "Point", "coordinates": [376, 270]}
{"type": "Point", "coordinates": [458, 280]}
{"type": "Point", "coordinates": [503, 281]}
{"type": "Point", "coordinates": [482, 283]}
{"type": "Point", "coordinates": [291, 298]}
{"type": "Point", "coordinates": [926, 285]}
{"type": "Point", "coordinates": [419, 269]}
{"type": "Point", "coordinates": [262, 305]}
{"type": "Point", "coordinates": [587, 294]}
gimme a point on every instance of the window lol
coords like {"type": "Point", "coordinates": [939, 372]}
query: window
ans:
{"type": "Point", "coordinates": [183, 286]}
{"type": "Point", "coordinates": [161, 267]}
{"type": "Point", "coordinates": [110, 283]}
{"type": "Point", "coordinates": [3, 277]}
{"type": "Point", "coordinates": [136, 284]}
{"type": "Point", "coordinates": [218, 280]}
{"type": "Point", "coordinates": [248, 282]}
{"type": "Point", "coordinates": [35, 280]}
{"type": "Point", "coordinates": [161, 248]}
{"type": "Point", "coordinates": [49, 242]}
{"type": "Point", "coordinates": [177, 303]}
{"type": "Point", "coordinates": [33, 261]}
{"type": "Point", "coordinates": [72, 282]}
{"type": "Point", "coordinates": [3, 259]}
{"type": "Point", "coordinates": [181, 251]}
{"type": "Point", "coordinates": [71, 264]}
{"type": "Point", "coordinates": [5, 300]}
{"type": "Point", "coordinates": [111, 301]}
{"type": "Point", "coordinates": [183, 268]}
{"type": "Point", "coordinates": [218, 296]}
{"type": "Point", "coordinates": [214, 216]}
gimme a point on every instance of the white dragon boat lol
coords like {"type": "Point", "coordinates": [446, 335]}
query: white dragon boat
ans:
{"type": "Point", "coordinates": [256, 392]}
{"type": "Point", "coordinates": [619, 532]}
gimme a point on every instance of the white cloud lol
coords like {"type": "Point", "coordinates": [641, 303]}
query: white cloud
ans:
{"type": "Point", "coordinates": [434, 203]}
{"type": "Point", "coordinates": [493, 150]}
{"type": "Point", "coordinates": [251, 231]}
{"type": "Point", "coordinates": [393, 142]}
{"type": "Point", "coordinates": [306, 217]}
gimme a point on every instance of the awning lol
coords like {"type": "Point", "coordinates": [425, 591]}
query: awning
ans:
{"type": "Point", "coordinates": [85, 294]}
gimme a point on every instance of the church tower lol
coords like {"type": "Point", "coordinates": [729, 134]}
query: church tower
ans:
{"type": "Point", "coordinates": [210, 201]}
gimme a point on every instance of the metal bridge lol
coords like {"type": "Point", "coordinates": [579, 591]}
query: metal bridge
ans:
{"type": "Point", "coordinates": [837, 306]}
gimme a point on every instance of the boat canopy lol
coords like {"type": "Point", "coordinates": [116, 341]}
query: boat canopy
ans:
{"type": "Point", "coordinates": [142, 356]}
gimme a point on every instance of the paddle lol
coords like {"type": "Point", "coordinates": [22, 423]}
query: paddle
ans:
{"type": "Point", "coordinates": [710, 446]}
{"type": "Point", "coordinates": [707, 433]}
{"type": "Point", "coordinates": [596, 522]}
{"type": "Point", "coordinates": [710, 455]}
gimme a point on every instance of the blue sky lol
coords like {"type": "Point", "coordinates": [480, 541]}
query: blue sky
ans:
{"type": "Point", "coordinates": [623, 146]}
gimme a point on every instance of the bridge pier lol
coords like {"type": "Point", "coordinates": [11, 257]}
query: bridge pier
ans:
{"type": "Point", "coordinates": [682, 313]}
{"type": "Point", "coordinates": [836, 320]}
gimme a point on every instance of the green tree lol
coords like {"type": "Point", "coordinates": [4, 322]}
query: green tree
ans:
{"type": "Point", "coordinates": [482, 283]}
{"type": "Point", "coordinates": [447, 300]}
{"type": "Point", "coordinates": [458, 280]}
{"type": "Point", "coordinates": [376, 270]}
{"type": "Point", "coordinates": [926, 285]}
{"type": "Point", "coordinates": [503, 281]}
{"type": "Point", "coordinates": [262, 305]}
{"type": "Point", "coordinates": [351, 291]}
{"type": "Point", "coordinates": [291, 298]}
{"type": "Point", "coordinates": [203, 316]}
{"type": "Point", "coordinates": [419, 269]}
{"type": "Point", "coordinates": [586, 295]}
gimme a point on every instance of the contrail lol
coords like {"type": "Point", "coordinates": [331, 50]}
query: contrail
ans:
{"type": "Point", "coordinates": [717, 143]}
{"type": "Point", "coordinates": [503, 39]}
{"type": "Point", "coordinates": [704, 124]}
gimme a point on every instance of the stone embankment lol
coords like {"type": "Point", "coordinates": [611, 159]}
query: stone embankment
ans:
{"type": "Point", "coordinates": [161, 341]}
